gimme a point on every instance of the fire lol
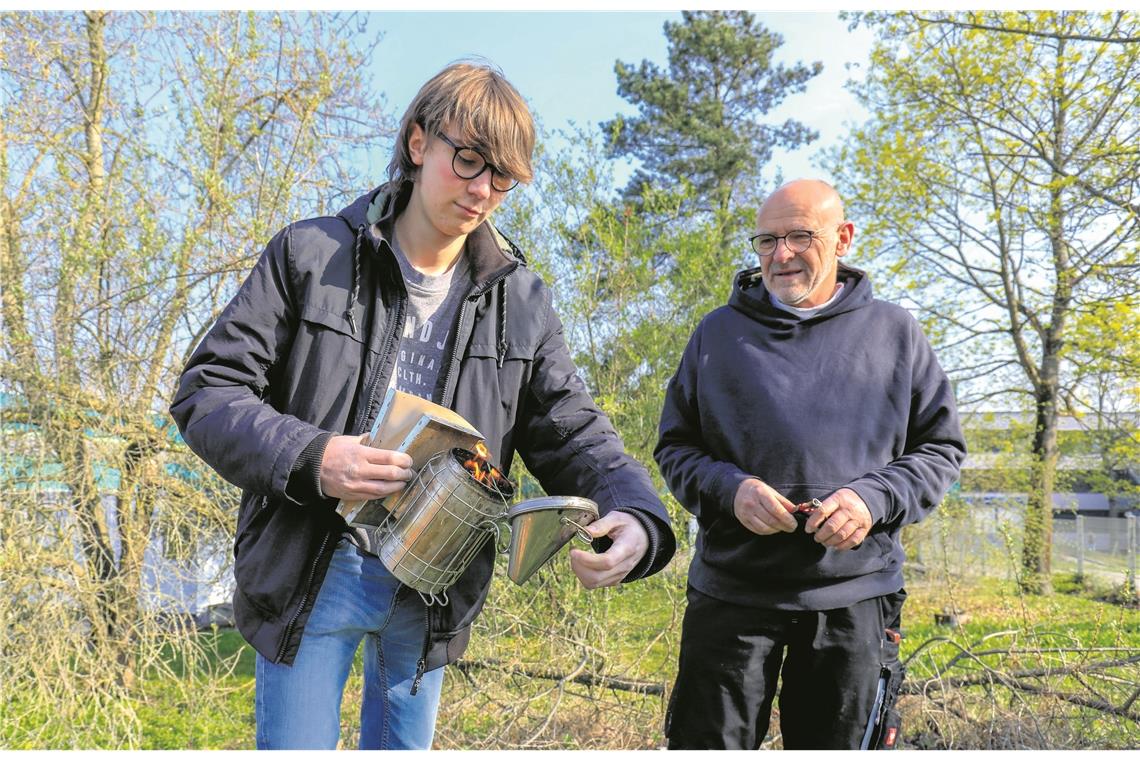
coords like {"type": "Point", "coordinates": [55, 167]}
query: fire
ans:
{"type": "Point", "coordinates": [482, 470]}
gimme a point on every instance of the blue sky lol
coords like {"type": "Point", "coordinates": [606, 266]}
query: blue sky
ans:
{"type": "Point", "coordinates": [562, 63]}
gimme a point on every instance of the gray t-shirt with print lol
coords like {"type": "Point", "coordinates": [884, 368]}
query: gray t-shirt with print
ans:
{"type": "Point", "coordinates": [432, 304]}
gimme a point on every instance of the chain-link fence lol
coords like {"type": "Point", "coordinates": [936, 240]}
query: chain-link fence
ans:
{"type": "Point", "coordinates": [972, 540]}
{"type": "Point", "coordinates": [1099, 547]}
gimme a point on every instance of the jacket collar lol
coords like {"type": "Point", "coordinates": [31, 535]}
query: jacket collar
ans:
{"type": "Point", "coordinates": [489, 252]}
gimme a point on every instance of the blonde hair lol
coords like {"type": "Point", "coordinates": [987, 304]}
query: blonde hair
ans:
{"type": "Point", "coordinates": [476, 101]}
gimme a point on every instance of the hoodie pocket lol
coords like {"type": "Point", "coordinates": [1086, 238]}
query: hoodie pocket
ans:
{"type": "Point", "coordinates": [794, 558]}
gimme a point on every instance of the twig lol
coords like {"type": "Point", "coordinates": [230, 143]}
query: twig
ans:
{"type": "Point", "coordinates": [990, 673]}
{"type": "Point", "coordinates": [1076, 699]}
{"type": "Point", "coordinates": [587, 679]}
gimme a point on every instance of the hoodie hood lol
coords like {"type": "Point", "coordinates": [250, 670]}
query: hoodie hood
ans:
{"type": "Point", "coordinates": [750, 297]}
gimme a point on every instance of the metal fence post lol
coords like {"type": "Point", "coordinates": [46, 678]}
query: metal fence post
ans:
{"type": "Point", "coordinates": [1080, 546]}
{"type": "Point", "coordinates": [1132, 555]}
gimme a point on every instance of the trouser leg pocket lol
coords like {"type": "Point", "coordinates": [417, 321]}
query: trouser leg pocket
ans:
{"type": "Point", "coordinates": [886, 734]}
{"type": "Point", "coordinates": [884, 723]}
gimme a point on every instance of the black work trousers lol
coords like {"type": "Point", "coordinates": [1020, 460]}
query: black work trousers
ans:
{"type": "Point", "coordinates": [830, 662]}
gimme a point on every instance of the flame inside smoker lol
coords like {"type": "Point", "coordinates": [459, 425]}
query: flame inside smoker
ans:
{"type": "Point", "coordinates": [487, 475]}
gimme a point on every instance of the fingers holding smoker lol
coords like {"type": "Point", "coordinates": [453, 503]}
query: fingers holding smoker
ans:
{"type": "Point", "coordinates": [350, 469]}
{"type": "Point", "coordinates": [630, 542]}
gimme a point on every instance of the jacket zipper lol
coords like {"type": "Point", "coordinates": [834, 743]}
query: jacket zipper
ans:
{"type": "Point", "coordinates": [397, 324]}
{"type": "Point", "coordinates": [421, 664]}
{"type": "Point", "coordinates": [471, 297]}
{"type": "Point", "coordinates": [304, 601]}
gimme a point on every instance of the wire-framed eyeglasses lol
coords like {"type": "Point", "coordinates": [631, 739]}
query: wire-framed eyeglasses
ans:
{"type": "Point", "coordinates": [468, 163]}
{"type": "Point", "coordinates": [797, 241]}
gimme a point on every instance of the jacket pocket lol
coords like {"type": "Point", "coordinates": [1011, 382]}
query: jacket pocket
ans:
{"type": "Point", "coordinates": [335, 321]}
{"type": "Point", "coordinates": [499, 385]}
{"type": "Point", "coordinates": [273, 548]}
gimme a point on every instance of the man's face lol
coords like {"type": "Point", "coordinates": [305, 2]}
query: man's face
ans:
{"type": "Point", "coordinates": [804, 279]}
{"type": "Point", "coordinates": [453, 206]}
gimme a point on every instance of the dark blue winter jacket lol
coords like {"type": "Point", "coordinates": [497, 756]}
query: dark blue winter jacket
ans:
{"type": "Point", "coordinates": [306, 348]}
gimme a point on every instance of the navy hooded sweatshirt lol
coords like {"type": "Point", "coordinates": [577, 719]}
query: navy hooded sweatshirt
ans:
{"type": "Point", "coordinates": [851, 396]}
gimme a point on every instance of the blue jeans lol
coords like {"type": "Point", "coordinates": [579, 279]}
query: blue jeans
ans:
{"type": "Point", "coordinates": [298, 706]}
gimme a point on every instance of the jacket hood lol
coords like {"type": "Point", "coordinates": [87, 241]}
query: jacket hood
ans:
{"type": "Point", "coordinates": [490, 254]}
{"type": "Point", "coordinates": [750, 297]}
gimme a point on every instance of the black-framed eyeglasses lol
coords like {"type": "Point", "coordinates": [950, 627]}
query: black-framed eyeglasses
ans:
{"type": "Point", "coordinates": [797, 241]}
{"type": "Point", "coordinates": [468, 163]}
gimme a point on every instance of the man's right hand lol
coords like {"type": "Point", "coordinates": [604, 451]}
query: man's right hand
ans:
{"type": "Point", "coordinates": [352, 470]}
{"type": "Point", "coordinates": [763, 510]}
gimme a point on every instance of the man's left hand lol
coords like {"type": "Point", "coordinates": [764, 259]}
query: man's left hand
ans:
{"type": "Point", "coordinates": [842, 520]}
{"type": "Point", "coordinates": [630, 542]}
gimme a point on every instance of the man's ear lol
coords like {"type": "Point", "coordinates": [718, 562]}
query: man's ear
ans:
{"type": "Point", "coordinates": [846, 235]}
{"type": "Point", "coordinates": [417, 144]}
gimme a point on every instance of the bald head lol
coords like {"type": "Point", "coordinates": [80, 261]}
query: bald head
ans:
{"type": "Point", "coordinates": [808, 194]}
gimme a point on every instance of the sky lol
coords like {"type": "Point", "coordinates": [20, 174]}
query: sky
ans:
{"type": "Point", "coordinates": [563, 61]}
{"type": "Point", "coordinates": [563, 64]}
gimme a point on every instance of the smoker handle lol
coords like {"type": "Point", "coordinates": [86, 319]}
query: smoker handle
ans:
{"type": "Point", "coordinates": [580, 530]}
{"type": "Point", "coordinates": [496, 527]}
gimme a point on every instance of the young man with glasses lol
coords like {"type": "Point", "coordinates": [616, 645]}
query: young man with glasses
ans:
{"type": "Point", "coordinates": [408, 287]}
{"type": "Point", "coordinates": [806, 424]}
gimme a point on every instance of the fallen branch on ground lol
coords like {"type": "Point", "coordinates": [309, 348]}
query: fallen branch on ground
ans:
{"type": "Point", "coordinates": [588, 679]}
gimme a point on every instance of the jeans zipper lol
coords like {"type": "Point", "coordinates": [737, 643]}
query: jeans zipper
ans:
{"type": "Point", "coordinates": [304, 601]}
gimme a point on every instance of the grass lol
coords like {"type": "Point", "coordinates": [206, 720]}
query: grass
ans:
{"type": "Point", "coordinates": [173, 717]}
{"type": "Point", "coordinates": [632, 633]}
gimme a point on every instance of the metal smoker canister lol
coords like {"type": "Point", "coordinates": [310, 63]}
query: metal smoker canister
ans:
{"type": "Point", "coordinates": [438, 525]}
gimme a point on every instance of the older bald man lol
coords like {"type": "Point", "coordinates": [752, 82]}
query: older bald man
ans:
{"type": "Point", "coordinates": [806, 424]}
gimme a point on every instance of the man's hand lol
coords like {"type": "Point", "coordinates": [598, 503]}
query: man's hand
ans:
{"type": "Point", "coordinates": [630, 542]}
{"type": "Point", "coordinates": [763, 510]}
{"type": "Point", "coordinates": [352, 470]}
{"type": "Point", "coordinates": [842, 520]}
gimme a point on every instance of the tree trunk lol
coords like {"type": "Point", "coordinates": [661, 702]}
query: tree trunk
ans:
{"type": "Point", "coordinates": [1037, 556]}
{"type": "Point", "coordinates": [1037, 552]}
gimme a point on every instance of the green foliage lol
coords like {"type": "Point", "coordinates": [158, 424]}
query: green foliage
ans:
{"type": "Point", "coordinates": [144, 160]}
{"type": "Point", "coordinates": [993, 188]}
{"type": "Point", "coordinates": [636, 272]}
{"type": "Point", "coordinates": [702, 119]}
{"type": "Point", "coordinates": [629, 287]}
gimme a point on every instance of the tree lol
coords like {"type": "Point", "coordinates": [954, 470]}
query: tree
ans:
{"type": "Point", "coordinates": [649, 263]}
{"type": "Point", "coordinates": [637, 269]}
{"type": "Point", "coordinates": [144, 159]}
{"type": "Point", "coordinates": [997, 183]}
{"type": "Point", "coordinates": [703, 119]}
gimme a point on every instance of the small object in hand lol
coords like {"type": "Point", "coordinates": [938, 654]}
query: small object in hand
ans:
{"type": "Point", "coordinates": [808, 507]}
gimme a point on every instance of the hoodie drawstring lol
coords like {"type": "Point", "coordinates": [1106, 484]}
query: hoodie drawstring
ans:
{"type": "Point", "coordinates": [502, 321]}
{"type": "Point", "coordinates": [355, 289]}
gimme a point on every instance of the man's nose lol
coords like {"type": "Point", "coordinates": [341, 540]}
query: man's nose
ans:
{"type": "Point", "coordinates": [782, 252]}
